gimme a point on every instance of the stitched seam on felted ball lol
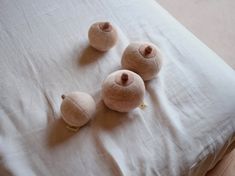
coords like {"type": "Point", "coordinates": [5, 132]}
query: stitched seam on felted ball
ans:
{"type": "Point", "coordinates": [66, 119]}
{"type": "Point", "coordinates": [79, 107]}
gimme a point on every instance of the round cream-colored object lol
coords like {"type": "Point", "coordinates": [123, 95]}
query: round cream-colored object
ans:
{"type": "Point", "coordinates": [102, 36]}
{"type": "Point", "coordinates": [123, 90]}
{"type": "Point", "coordinates": [144, 59]}
{"type": "Point", "coordinates": [77, 108]}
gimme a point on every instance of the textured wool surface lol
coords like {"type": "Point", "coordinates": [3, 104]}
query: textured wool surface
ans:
{"type": "Point", "coordinates": [45, 52]}
{"type": "Point", "coordinates": [123, 98]}
{"type": "Point", "coordinates": [102, 40]}
{"type": "Point", "coordinates": [77, 108]}
{"type": "Point", "coordinates": [147, 68]}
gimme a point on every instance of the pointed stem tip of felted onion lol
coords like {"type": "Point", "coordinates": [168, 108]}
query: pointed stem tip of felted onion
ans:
{"type": "Point", "coordinates": [124, 78]}
{"type": "Point", "coordinates": [63, 96]}
{"type": "Point", "coordinates": [148, 50]}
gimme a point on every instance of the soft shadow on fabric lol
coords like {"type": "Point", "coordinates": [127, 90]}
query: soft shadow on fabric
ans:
{"type": "Point", "coordinates": [4, 170]}
{"type": "Point", "coordinates": [58, 133]}
{"type": "Point", "coordinates": [104, 124]}
{"type": "Point", "coordinates": [90, 55]}
{"type": "Point", "coordinates": [107, 119]}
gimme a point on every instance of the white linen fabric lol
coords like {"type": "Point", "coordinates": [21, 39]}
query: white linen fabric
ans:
{"type": "Point", "coordinates": [189, 120]}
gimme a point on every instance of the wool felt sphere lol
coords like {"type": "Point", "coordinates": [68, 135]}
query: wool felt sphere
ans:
{"type": "Point", "coordinates": [77, 108]}
{"type": "Point", "coordinates": [144, 59]}
{"type": "Point", "coordinates": [102, 36]}
{"type": "Point", "coordinates": [123, 91]}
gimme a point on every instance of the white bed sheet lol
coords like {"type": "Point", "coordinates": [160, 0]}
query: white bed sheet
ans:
{"type": "Point", "coordinates": [44, 52]}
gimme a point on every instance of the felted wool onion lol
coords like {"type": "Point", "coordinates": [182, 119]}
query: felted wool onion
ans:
{"type": "Point", "coordinates": [77, 108]}
{"type": "Point", "coordinates": [102, 36]}
{"type": "Point", "coordinates": [144, 59]}
{"type": "Point", "coordinates": [123, 91]}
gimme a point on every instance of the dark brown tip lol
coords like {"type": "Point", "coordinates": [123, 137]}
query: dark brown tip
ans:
{"type": "Point", "coordinates": [106, 26]}
{"type": "Point", "coordinates": [124, 78]}
{"type": "Point", "coordinates": [148, 50]}
{"type": "Point", "coordinates": [63, 96]}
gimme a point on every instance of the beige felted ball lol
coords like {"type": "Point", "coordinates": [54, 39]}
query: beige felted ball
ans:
{"type": "Point", "coordinates": [123, 91]}
{"type": "Point", "coordinates": [102, 36]}
{"type": "Point", "coordinates": [144, 59]}
{"type": "Point", "coordinates": [77, 108]}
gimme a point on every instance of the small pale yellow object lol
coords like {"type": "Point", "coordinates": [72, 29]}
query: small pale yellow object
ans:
{"type": "Point", "coordinates": [142, 105]}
